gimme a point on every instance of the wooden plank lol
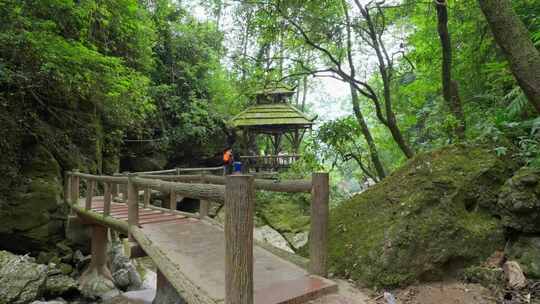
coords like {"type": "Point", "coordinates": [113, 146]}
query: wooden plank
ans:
{"type": "Point", "coordinates": [239, 205]}
{"type": "Point", "coordinates": [189, 291]}
{"type": "Point", "coordinates": [186, 214]}
{"type": "Point", "coordinates": [318, 251]}
{"type": "Point", "coordinates": [162, 219]}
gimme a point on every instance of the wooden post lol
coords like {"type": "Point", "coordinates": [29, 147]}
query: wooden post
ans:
{"type": "Point", "coordinates": [114, 190]}
{"type": "Point", "coordinates": [67, 187]}
{"type": "Point", "coordinates": [90, 185]}
{"type": "Point", "coordinates": [203, 204]}
{"type": "Point", "coordinates": [172, 200]}
{"type": "Point", "coordinates": [98, 264]}
{"type": "Point", "coordinates": [133, 206]}
{"type": "Point", "coordinates": [147, 196]}
{"type": "Point", "coordinates": [124, 189]}
{"type": "Point", "coordinates": [75, 189]}
{"type": "Point", "coordinates": [107, 197]}
{"type": "Point", "coordinates": [318, 251]}
{"type": "Point", "coordinates": [239, 205]}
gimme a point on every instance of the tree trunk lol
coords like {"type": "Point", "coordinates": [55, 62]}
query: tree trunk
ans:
{"type": "Point", "coordinates": [385, 70]}
{"type": "Point", "coordinates": [373, 153]}
{"type": "Point", "coordinates": [450, 87]}
{"type": "Point", "coordinates": [513, 38]}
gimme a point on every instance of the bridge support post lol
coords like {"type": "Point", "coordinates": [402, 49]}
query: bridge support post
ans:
{"type": "Point", "coordinates": [239, 205]}
{"type": "Point", "coordinates": [165, 292]}
{"type": "Point", "coordinates": [97, 277]}
{"type": "Point", "coordinates": [133, 206]}
{"type": "Point", "coordinates": [318, 251]}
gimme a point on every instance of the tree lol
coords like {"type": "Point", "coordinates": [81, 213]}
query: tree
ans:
{"type": "Point", "coordinates": [513, 38]}
{"type": "Point", "coordinates": [450, 86]}
{"type": "Point", "coordinates": [373, 152]}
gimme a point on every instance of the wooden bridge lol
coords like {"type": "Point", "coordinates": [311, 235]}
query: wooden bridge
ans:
{"type": "Point", "coordinates": [202, 260]}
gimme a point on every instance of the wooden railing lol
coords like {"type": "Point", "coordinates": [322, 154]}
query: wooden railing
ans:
{"type": "Point", "coordinates": [269, 162]}
{"type": "Point", "coordinates": [178, 171]}
{"type": "Point", "coordinates": [238, 194]}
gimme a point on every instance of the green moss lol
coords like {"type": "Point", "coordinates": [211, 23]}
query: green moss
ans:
{"type": "Point", "coordinates": [488, 277]}
{"type": "Point", "coordinates": [423, 221]}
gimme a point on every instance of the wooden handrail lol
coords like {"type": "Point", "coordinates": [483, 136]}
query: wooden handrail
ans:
{"type": "Point", "coordinates": [100, 178]}
{"type": "Point", "coordinates": [271, 156]}
{"type": "Point", "coordinates": [292, 186]}
{"type": "Point", "coordinates": [196, 191]}
{"type": "Point", "coordinates": [238, 194]}
{"type": "Point", "coordinates": [179, 170]}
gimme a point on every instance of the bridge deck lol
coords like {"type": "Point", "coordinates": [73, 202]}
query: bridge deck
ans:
{"type": "Point", "coordinates": [197, 249]}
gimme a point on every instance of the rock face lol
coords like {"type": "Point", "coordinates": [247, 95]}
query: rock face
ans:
{"type": "Point", "coordinates": [95, 285]}
{"type": "Point", "coordinates": [432, 216]}
{"type": "Point", "coordinates": [519, 201]}
{"type": "Point", "coordinates": [33, 214]}
{"type": "Point", "coordinates": [272, 237]}
{"type": "Point", "coordinates": [21, 279]}
{"type": "Point", "coordinates": [59, 284]}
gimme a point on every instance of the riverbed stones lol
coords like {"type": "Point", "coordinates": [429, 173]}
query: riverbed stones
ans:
{"type": "Point", "coordinates": [21, 279]}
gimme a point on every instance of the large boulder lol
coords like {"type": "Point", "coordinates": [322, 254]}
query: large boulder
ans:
{"type": "Point", "coordinates": [33, 214]}
{"type": "Point", "coordinates": [519, 201]}
{"type": "Point", "coordinates": [21, 280]}
{"type": "Point", "coordinates": [526, 250]}
{"type": "Point", "coordinates": [124, 273]}
{"type": "Point", "coordinates": [428, 219]}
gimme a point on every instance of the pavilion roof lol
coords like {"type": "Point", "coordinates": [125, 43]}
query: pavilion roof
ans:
{"type": "Point", "coordinates": [272, 115]}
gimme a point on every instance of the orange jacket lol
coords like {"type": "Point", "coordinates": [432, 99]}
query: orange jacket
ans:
{"type": "Point", "coordinates": [227, 157]}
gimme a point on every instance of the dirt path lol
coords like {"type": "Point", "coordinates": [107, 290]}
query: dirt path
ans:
{"type": "Point", "coordinates": [430, 293]}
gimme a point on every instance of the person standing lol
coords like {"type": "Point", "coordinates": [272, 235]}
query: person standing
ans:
{"type": "Point", "coordinates": [228, 160]}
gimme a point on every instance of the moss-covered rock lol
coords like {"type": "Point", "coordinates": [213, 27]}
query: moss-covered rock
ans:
{"type": "Point", "coordinates": [519, 201]}
{"type": "Point", "coordinates": [21, 280]}
{"type": "Point", "coordinates": [430, 217]}
{"type": "Point", "coordinates": [32, 217]}
{"type": "Point", "coordinates": [526, 251]}
{"type": "Point", "coordinates": [488, 277]}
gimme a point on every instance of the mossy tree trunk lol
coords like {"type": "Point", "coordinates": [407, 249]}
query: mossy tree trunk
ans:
{"type": "Point", "coordinates": [513, 38]}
